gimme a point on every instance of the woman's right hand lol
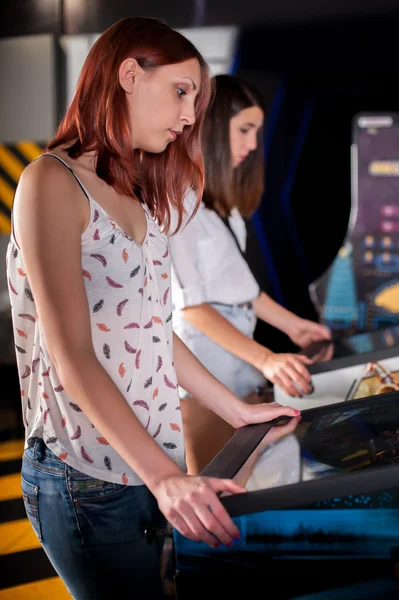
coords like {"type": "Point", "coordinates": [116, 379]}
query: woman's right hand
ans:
{"type": "Point", "coordinates": [289, 372]}
{"type": "Point", "coordinates": [191, 505]}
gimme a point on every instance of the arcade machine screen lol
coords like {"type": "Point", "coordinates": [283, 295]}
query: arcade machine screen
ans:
{"type": "Point", "coordinates": [323, 443]}
{"type": "Point", "coordinates": [322, 507]}
{"type": "Point", "coordinates": [360, 291]}
{"type": "Point", "coordinates": [380, 341]}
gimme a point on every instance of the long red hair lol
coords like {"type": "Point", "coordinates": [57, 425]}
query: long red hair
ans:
{"type": "Point", "coordinates": [98, 118]}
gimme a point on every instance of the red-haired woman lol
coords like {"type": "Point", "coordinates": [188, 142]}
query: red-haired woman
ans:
{"type": "Point", "coordinates": [89, 280]}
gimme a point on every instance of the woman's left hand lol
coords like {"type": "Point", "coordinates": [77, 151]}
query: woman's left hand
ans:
{"type": "Point", "coordinates": [306, 332]}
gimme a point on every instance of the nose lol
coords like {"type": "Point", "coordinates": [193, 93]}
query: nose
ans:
{"type": "Point", "coordinates": [188, 114]}
{"type": "Point", "coordinates": [252, 141]}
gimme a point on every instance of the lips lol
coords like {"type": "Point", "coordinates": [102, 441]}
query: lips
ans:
{"type": "Point", "coordinates": [175, 134]}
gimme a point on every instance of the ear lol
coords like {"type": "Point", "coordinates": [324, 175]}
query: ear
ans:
{"type": "Point", "coordinates": [129, 71]}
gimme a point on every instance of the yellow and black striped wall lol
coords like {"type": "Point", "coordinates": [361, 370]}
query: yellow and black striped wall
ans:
{"type": "Point", "coordinates": [25, 571]}
{"type": "Point", "coordinates": [13, 159]}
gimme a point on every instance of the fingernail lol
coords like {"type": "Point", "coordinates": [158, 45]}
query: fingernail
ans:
{"type": "Point", "coordinates": [229, 543]}
{"type": "Point", "coordinates": [297, 412]}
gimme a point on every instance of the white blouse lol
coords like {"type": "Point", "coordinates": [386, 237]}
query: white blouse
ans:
{"type": "Point", "coordinates": [207, 265]}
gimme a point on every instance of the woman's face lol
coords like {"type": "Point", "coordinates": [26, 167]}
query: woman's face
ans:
{"type": "Point", "coordinates": [161, 102]}
{"type": "Point", "coordinates": [244, 127]}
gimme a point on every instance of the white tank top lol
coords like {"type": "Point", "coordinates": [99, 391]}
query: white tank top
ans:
{"type": "Point", "coordinates": [128, 292]}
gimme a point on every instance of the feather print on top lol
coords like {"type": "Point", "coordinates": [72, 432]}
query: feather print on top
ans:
{"type": "Point", "coordinates": [129, 299]}
{"type": "Point", "coordinates": [121, 306]}
{"type": "Point", "coordinates": [100, 258]}
{"type": "Point", "coordinates": [135, 271]}
{"type": "Point", "coordinates": [29, 294]}
{"type": "Point", "coordinates": [129, 348]}
{"type": "Point", "coordinates": [156, 434]}
{"type": "Point", "coordinates": [169, 383]}
{"type": "Point", "coordinates": [85, 456]}
{"type": "Point", "coordinates": [132, 326]}
{"type": "Point", "coordinates": [27, 372]}
{"type": "Point", "coordinates": [113, 283]}
{"type": "Point", "coordinates": [142, 403]}
{"type": "Point", "coordinates": [77, 433]}
{"type": "Point", "coordinates": [27, 316]}
{"type": "Point", "coordinates": [98, 306]}
{"type": "Point", "coordinates": [12, 288]}
{"type": "Point", "coordinates": [34, 364]}
{"type": "Point", "coordinates": [102, 441]}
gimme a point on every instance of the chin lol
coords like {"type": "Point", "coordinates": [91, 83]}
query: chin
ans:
{"type": "Point", "coordinates": [154, 148]}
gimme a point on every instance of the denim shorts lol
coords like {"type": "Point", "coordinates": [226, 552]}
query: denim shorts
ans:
{"type": "Point", "coordinates": [92, 531]}
{"type": "Point", "coordinates": [236, 374]}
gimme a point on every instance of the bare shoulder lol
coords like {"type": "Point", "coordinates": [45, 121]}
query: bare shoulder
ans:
{"type": "Point", "coordinates": [47, 184]}
{"type": "Point", "coordinates": [45, 175]}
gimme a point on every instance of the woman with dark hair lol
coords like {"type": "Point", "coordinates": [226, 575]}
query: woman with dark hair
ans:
{"type": "Point", "coordinates": [88, 268]}
{"type": "Point", "coordinates": [216, 297]}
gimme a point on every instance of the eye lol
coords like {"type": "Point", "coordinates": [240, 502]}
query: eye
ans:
{"type": "Point", "coordinates": [181, 92]}
{"type": "Point", "coordinates": [244, 130]}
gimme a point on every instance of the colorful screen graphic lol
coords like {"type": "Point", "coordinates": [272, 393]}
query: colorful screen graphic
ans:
{"type": "Point", "coordinates": [360, 291]}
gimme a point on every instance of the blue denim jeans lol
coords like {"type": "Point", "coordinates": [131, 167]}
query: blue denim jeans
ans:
{"type": "Point", "coordinates": [92, 530]}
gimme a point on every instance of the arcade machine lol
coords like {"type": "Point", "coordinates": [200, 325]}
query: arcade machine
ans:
{"type": "Point", "coordinates": [320, 518]}
{"type": "Point", "coordinates": [360, 291]}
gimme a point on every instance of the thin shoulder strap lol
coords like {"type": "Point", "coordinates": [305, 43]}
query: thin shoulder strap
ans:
{"type": "Point", "coordinates": [82, 187]}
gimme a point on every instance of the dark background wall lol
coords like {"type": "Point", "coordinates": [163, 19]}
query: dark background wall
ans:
{"type": "Point", "coordinates": [317, 64]}
{"type": "Point", "coordinates": [25, 17]}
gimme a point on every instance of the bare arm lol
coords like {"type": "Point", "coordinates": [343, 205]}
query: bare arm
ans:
{"type": "Point", "coordinates": [287, 370]}
{"type": "Point", "coordinates": [301, 331]}
{"type": "Point", "coordinates": [210, 322]}
{"type": "Point", "coordinates": [212, 394]}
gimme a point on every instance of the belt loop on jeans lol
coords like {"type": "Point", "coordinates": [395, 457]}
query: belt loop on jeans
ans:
{"type": "Point", "coordinates": [33, 442]}
{"type": "Point", "coordinates": [245, 305]}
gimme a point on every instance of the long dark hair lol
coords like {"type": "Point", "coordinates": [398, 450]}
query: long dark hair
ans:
{"type": "Point", "coordinates": [226, 187]}
{"type": "Point", "coordinates": [98, 118]}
